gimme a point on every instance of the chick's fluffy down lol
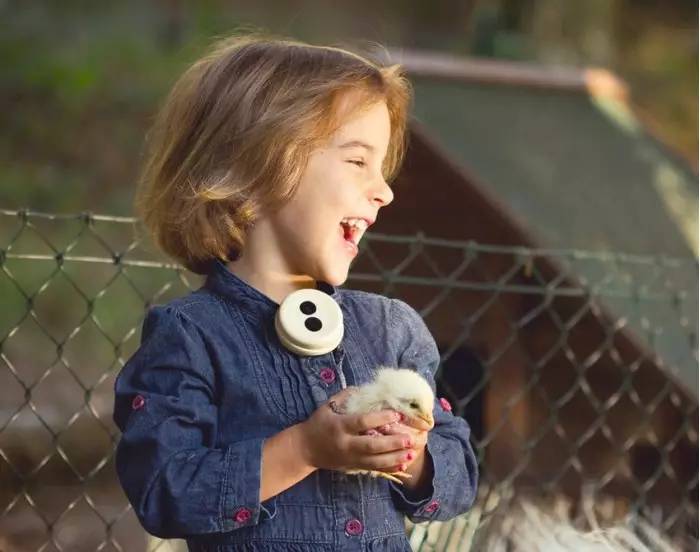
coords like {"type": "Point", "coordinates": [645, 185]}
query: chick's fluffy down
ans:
{"type": "Point", "coordinates": [400, 389]}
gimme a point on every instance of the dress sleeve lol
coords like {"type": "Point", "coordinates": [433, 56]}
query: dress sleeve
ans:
{"type": "Point", "coordinates": [175, 477]}
{"type": "Point", "coordinates": [455, 468]}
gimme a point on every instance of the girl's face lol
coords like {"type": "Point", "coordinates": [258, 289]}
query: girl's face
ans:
{"type": "Point", "coordinates": [342, 181]}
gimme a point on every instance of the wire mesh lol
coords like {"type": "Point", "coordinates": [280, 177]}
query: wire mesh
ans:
{"type": "Point", "coordinates": [576, 371]}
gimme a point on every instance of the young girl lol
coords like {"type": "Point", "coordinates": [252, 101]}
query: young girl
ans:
{"type": "Point", "coordinates": [260, 158]}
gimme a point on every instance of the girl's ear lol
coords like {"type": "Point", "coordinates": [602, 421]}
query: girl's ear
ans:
{"type": "Point", "coordinates": [233, 255]}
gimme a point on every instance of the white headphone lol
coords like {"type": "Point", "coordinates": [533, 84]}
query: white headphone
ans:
{"type": "Point", "coordinates": [309, 322]}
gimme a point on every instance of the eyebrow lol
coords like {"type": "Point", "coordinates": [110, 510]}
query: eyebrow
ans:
{"type": "Point", "coordinates": [357, 143]}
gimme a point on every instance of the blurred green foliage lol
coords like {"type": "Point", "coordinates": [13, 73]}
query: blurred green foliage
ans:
{"type": "Point", "coordinates": [81, 80]}
{"type": "Point", "coordinates": [79, 88]}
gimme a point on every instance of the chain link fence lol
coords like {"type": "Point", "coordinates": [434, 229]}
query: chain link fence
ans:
{"type": "Point", "coordinates": [577, 372]}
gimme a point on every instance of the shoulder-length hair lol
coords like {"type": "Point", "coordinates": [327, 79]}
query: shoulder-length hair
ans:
{"type": "Point", "coordinates": [234, 135]}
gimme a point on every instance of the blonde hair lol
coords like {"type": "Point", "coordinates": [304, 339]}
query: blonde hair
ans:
{"type": "Point", "coordinates": [234, 135]}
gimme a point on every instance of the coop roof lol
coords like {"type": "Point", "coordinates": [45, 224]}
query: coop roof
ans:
{"type": "Point", "coordinates": [562, 154]}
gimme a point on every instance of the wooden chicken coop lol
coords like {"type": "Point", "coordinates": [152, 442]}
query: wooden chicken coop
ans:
{"type": "Point", "coordinates": [559, 286]}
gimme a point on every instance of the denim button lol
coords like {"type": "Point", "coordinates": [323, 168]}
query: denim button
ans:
{"type": "Point", "coordinates": [445, 404]}
{"type": "Point", "coordinates": [138, 402]}
{"type": "Point", "coordinates": [327, 375]}
{"type": "Point", "coordinates": [434, 505]}
{"type": "Point", "coordinates": [353, 527]}
{"type": "Point", "coordinates": [242, 515]}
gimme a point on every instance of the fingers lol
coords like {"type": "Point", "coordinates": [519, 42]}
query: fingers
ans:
{"type": "Point", "coordinates": [363, 445]}
{"type": "Point", "coordinates": [394, 429]}
{"type": "Point", "coordinates": [341, 396]}
{"type": "Point", "coordinates": [389, 461]}
{"type": "Point", "coordinates": [337, 401]}
{"type": "Point", "coordinates": [363, 422]}
{"type": "Point", "coordinates": [419, 439]}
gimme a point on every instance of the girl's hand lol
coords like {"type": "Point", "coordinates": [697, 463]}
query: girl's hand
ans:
{"type": "Point", "coordinates": [333, 441]}
{"type": "Point", "coordinates": [416, 429]}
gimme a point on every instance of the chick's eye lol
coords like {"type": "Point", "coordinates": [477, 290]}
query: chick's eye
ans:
{"type": "Point", "coordinates": [414, 404]}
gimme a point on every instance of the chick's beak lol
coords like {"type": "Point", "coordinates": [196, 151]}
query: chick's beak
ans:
{"type": "Point", "coordinates": [427, 418]}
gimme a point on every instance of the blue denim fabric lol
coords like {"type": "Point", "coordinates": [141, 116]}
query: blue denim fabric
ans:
{"type": "Point", "coordinates": [211, 381]}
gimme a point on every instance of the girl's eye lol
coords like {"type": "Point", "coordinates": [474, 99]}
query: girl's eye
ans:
{"type": "Point", "coordinates": [359, 163]}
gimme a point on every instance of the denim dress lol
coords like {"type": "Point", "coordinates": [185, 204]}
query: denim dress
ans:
{"type": "Point", "coordinates": [211, 381]}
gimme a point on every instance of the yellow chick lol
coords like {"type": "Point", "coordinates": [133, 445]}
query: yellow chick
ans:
{"type": "Point", "coordinates": [400, 389]}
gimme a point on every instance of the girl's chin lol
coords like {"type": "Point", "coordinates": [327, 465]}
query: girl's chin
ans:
{"type": "Point", "coordinates": [336, 277]}
{"type": "Point", "coordinates": [334, 267]}
{"type": "Point", "coordinates": [336, 273]}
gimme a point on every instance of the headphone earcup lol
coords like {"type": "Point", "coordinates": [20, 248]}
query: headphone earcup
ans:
{"type": "Point", "coordinates": [309, 322]}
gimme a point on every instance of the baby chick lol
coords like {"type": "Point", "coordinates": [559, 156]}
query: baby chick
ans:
{"type": "Point", "coordinates": [400, 389]}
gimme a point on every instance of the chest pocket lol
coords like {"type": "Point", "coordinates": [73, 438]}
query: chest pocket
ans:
{"type": "Point", "coordinates": [283, 385]}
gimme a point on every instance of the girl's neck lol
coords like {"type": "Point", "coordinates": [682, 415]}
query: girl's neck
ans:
{"type": "Point", "coordinates": [274, 284]}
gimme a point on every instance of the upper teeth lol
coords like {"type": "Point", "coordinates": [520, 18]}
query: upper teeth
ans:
{"type": "Point", "coordinates": [358, 223]}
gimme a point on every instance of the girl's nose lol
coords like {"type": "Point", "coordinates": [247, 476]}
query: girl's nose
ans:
{"type": "Point", "coordinates": [382, 192]}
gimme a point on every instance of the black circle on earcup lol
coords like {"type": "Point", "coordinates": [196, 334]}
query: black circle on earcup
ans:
{"type": "Point", "coordinates": [307, 307]}
{"type": "Point", "coordinates": [313, 324]}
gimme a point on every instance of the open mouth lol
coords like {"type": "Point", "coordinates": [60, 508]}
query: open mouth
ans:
{"type": "Point", "coordinates": [349, 233]}
{"type": "Point", "coordinates": [349, 240]}
{"type": "Point", "coordinates": [352, 230]}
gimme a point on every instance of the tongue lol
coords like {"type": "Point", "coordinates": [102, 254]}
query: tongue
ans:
{"type": "Point", "coordinates": [347, 232]}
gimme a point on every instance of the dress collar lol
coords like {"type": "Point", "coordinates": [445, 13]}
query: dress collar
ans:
{"type": "Point", "coordinates": [222, 281]}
